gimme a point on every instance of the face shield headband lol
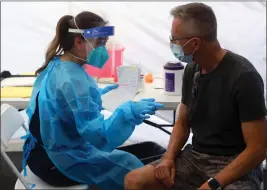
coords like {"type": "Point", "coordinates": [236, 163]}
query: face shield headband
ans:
{"type": "Point", "coordinates": [97, 32]}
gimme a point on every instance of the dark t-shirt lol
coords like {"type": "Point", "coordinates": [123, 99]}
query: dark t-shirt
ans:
{"type": "Point", "coordinates": [232, 93]}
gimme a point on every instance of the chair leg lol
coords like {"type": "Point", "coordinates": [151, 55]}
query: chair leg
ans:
{"type": "Point", "coordinates": [15, 170]}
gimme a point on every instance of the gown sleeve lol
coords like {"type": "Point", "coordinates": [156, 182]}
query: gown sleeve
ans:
{"type": "Point", "coordinates": [104, 134]}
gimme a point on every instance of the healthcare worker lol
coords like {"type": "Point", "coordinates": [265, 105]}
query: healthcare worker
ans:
{"type": "Point", "coordinates": [69, 141]}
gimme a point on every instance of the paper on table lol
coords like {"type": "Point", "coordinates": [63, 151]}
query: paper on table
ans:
{"type": "Point", "coordinates": [128, 80]}
{"type": "Point", "coordinates": [16, 92]}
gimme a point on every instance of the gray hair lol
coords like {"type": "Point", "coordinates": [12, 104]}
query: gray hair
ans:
{"type": "Point", "coordinates": [200, 19]}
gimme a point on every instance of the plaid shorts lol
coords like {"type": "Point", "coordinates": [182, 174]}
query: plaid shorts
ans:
{"type": "Point", "coordinates": [193, 169]}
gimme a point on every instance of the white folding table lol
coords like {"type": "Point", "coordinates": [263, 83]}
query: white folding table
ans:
{"type": "Point", "coordinates": [18, 81]}
{"type": "Point", "coordinates": [170, 102]}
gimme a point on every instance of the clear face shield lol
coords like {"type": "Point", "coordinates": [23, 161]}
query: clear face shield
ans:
{"type": "Point", "coordinates": [97, 56]}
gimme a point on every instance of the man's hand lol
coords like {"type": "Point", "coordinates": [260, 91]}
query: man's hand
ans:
{"type": "Point", "coordinates": [108, 89]}
{"type": "Point", "coordinates": [165, 172]}
{"type": "Point", "coordinates": [205, 186]}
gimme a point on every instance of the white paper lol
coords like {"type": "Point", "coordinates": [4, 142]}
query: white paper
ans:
{"type": "Point", "coordinates": [128, 80]}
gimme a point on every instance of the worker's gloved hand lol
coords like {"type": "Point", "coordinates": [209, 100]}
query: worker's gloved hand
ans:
{"type": "Point", "coordinates": [108, 89]}
{"type": "Point", "coordinates": [145, 107]}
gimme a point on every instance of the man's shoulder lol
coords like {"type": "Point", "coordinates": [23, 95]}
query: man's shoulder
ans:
{"type": "Point", "coordinates": [241, 72]}
{"type": "Point", "coordinates": [238, 64]}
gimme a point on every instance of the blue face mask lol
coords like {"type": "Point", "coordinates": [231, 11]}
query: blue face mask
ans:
{"type": "Point", "coordinates": [178, 52]}
{"type": "Point", "coordinates": [97, 57]}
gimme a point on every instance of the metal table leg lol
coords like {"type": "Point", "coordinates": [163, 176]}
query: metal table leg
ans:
{"type": "Point", "coordinates": [156, 126]}
{"type": "Point", "coordinates": [160, 126]}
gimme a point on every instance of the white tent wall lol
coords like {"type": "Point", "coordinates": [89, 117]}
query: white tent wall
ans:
{"type": "Point", "coordinates": [27, 28]}
{"type": "Point", "coordinates": [143, 28]}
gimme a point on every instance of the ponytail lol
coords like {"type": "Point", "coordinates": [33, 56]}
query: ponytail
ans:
{"type": "Point", "coordinates": [55, 47]}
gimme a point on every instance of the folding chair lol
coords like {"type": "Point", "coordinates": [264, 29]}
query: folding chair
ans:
{"type": "Point", "coordinates": [11, 121]}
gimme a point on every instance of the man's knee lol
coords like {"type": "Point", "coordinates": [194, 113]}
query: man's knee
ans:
{"type": "Point", "coordinates": [140, 178]}
{"type": "Point", "coordinates": [132, 181]}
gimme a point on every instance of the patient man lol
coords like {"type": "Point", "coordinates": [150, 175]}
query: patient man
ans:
{"type": "Point", "coordinates": [222, 104]}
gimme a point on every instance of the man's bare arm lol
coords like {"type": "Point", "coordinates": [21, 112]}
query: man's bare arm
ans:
{"type": "Point", "coordinates": [255, 136]}
{"type": "Point", "coordinates": [180, 133]}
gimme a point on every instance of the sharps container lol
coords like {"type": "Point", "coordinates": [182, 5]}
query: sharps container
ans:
{"type": "Point", "coordinates": [173, 78]}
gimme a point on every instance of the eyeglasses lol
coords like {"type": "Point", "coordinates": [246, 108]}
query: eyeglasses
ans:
{"type": "Point", "coordinates": [173, 39]}
{"type": "Point", "coordinates": [195, 84]}
{"type": "Point", "coordinates": [209, 34]}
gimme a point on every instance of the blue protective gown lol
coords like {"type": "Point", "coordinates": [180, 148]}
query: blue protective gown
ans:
{"type": "Point", "coordinates": [77, 138]}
